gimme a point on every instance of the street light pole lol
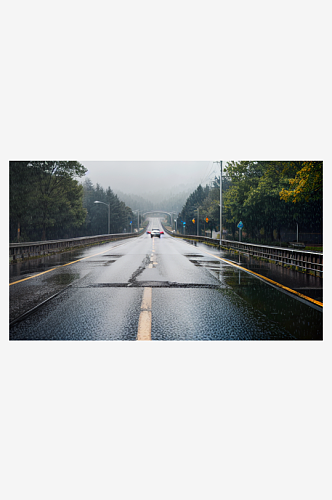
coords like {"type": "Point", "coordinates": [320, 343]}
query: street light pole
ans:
{"type": "Point", "coordinates": [172, 219]}
{"type": "Point", "coordinates": [109, 214]}
{"type": "Point", "coordinates": [137, 210]}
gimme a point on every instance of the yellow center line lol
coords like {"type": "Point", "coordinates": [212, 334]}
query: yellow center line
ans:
{"type": "Point", "coordinates": [266, 279]}
{"type": "Point", "coordinates": [34, 276]}
{"type": "Point", "coordinates": [58, 267]}
{"type": "Point", "coordinates": [145, 319]}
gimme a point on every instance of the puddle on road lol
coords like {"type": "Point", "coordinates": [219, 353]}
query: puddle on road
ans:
{"type": "Point", "coordinates": [301, 319]}
{"type": "Point", "coordinates": [30, 267]}
{"type": "Point", "coordinates": [34, 266]}
{"type": "Point", "coordinates": [209, 264]}
{"type": "Point", "coordinates": [62, 278]}
{"type": "Point", "coordinates": [116, 255]}
{"type": "Point", "coordinates": [197, 255]}
{"type": "Point", "coordinates": [100, 262]}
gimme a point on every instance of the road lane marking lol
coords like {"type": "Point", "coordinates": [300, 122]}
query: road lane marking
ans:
{"type": "Point", "coordinates": [34, 276]}
{"type": "Point", "coordinates": [147, 299]}
{"type": "Point", "coordinates": [266, 279]}
{"type": "Point", "coordinates": [145, 318]}
{"type": "Point", "coordinates": [68, 264]}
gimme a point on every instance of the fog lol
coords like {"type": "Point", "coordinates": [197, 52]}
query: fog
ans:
{"type": "Point", "coordinates": [144, 177]}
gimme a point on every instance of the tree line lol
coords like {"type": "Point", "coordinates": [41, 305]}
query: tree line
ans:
{"type": "Point", "coordinates": [47, 201]}
{"type": "Point", "coordinates": [267, 196]}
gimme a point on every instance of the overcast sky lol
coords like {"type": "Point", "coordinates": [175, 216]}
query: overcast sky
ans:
{"type": "Point", "coordinates": [136, 177]}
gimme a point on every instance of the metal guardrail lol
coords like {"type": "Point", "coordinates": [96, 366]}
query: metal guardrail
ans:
{"type": "Point", "coordinates": [300, 259]}
{"type": "Point", "coordinates": [26, 250]}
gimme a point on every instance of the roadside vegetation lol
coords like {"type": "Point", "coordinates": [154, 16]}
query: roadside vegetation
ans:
{"type": "Point", "coordinates": [273, 199]}
{"type": "Point", "coordinates": [47, 201]}
{"type": "Point", "coordinates": [50, 200]}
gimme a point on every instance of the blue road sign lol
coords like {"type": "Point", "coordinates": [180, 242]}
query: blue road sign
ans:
{"type": "Point", "coordinates": [240, 224]}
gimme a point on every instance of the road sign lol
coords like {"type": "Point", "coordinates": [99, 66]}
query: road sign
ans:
{"type": "Point", "coordinates": [240, 225]}
{"type": "Point", "coordinates": [207, 219]}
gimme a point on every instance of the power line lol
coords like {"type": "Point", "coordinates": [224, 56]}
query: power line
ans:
{"type": "Point", "coordinates": [212, 171]}
{"type": "Point", "coordinates": [204, 176]}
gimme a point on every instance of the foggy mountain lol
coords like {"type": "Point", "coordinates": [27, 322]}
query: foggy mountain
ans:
{"type": "Point", "coordinates": [171, 200]}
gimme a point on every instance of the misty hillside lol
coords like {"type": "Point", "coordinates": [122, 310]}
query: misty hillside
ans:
{"type": "Point", "coordinates": [171, 200]}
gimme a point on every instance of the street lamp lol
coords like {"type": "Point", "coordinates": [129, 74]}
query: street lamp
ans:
{"type": "Point", "coordinates": [109, 214]}
{"type": "Point", "coordinates": [137, 210]}
{"type": "Point", "coordinates": [172, 218]}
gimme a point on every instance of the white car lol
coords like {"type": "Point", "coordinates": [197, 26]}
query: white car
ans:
{"type": "Point", "coordinates": [156, 232]}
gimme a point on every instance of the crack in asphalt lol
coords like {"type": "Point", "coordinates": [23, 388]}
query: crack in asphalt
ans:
{"type": "Point", "coordinates": [133, 279]}
{"type": "Point", "coordinates": [155, 284]}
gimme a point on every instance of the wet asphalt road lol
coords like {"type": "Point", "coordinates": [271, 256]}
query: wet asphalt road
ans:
{"type": "Point", "coordinates": [194, 296]}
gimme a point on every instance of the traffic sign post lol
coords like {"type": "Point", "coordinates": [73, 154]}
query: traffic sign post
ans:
{"type": "Point", "coordinates": [240, 226]}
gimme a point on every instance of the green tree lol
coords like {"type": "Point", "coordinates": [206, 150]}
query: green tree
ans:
{"type": "Point", "coordinates": [59, 194]}
{"type": "Point", "coordinates": [189, 210]}
{"type": "Point", "coordinates": [45, 196]}
{"type": "Point", "coordinates": [263, 208]}
{"type": "Point", "coordinates": [97, 215]}
{"type": "Point", "coordinates": [22, 198]}
{"type": "Point", "coordinates": [243, 178]}
{"type": "Point", "coordinates": [252, 193]}
{"type": "Point", "coordinates": [307, 185]}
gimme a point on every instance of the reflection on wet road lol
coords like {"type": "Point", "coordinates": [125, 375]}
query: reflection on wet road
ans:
{"type": "Point", "coordinates": [158, 289]}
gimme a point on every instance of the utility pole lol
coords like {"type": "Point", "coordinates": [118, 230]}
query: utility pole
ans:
{"type": "Point", "coordinates": [198, 221]}
{"type": "Point", "coordinates": [220, 199]}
